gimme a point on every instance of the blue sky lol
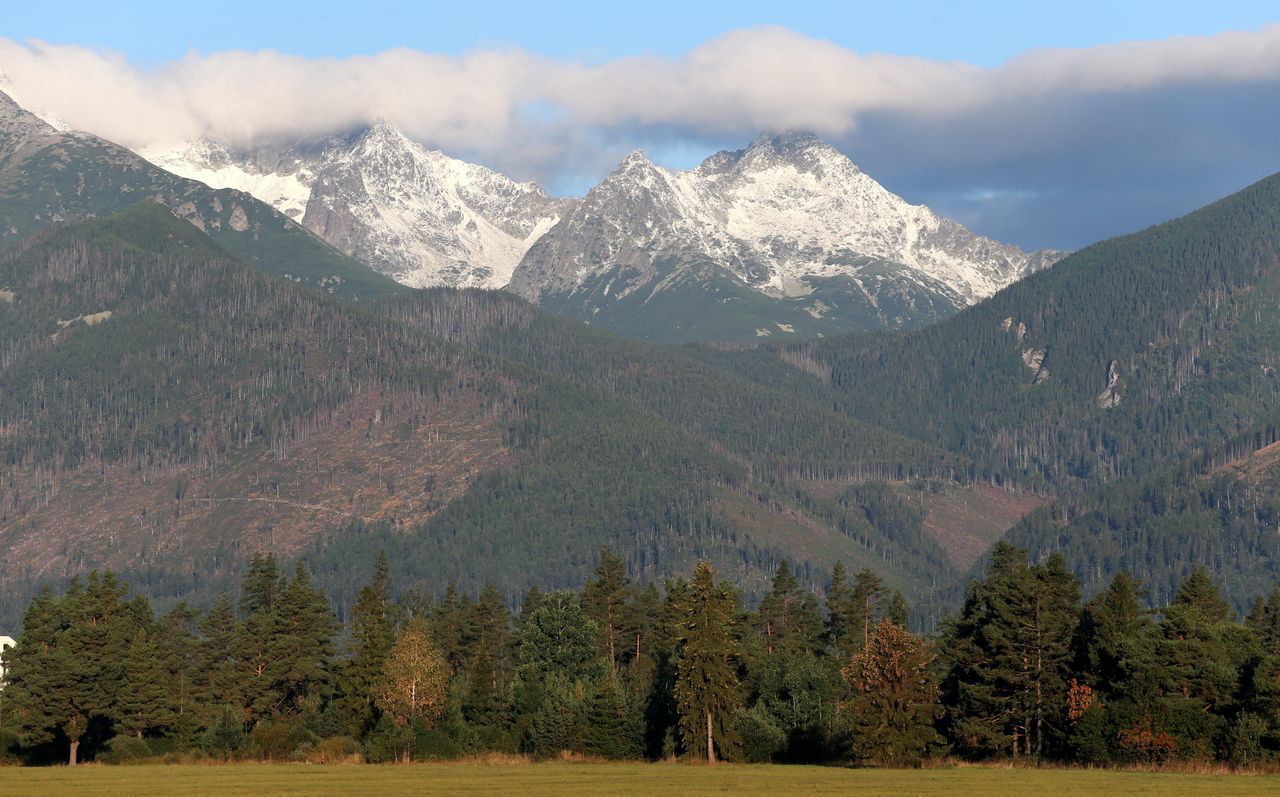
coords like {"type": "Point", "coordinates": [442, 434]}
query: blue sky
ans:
{"type": "Point", "coordinates": [1047, 125]}
{"type": "Point", "coordinates": [982, 33]}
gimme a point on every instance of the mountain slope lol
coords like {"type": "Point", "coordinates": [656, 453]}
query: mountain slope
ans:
{"type": "Point", "coordinates": [50, 176]}
{"type": "Point", "coordinates": [420, 217]}
{"type": "Point", "coordinates": [168, 410]}
{"type": "Point", "coordinates": [784, 238]}
{"type": "Point", "coordinates": [1147, 355]}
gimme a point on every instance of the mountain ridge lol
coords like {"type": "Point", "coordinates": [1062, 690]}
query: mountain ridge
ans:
{"type": "Point", "coordinates": [50, 176]}
{"type": "Point", "coordinates": [786, 237]}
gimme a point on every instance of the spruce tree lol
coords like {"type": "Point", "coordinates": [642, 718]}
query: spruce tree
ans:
{"type": "Point", "coordinates": [146, 697]}
{"type": "Point", "coordinates": [706, 688]}
{"type": "Point", "coordinates": [840, 619]}
{"type": "Point", "coordinates": [300, 649]}
{"type": "Point", "coordinates": [789, 617]}
{"type": "Point", "coordinates": [371, 640]}
{"type": "Point", "coordinates": [614, 728]}
{"type": "Point", "coordinates": [605, 599]}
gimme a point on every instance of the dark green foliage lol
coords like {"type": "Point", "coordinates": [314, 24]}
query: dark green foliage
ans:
{"type": "Point", "coordinates": [707, 683]}
{"type": "Point", "coordinates": [760, 739]}
{"type": "Point", "coordinates": [559, 641]}
{"type": "Point", "coordinates": [790, 619]}
{"type": "Point", "coordinates": [614, 725]}
{"type": "Point", "coordinates": [372, 636]}
{"type": "Point", "coordinates": [1026, 670]}
{"type": "Point", "coordinates": [123, 749]}
{"type": "Point", "coordinates": [145, 704]}
{"type": "Point", "coordinates": [1009, 656]}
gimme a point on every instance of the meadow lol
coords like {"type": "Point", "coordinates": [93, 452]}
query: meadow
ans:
{"type": "Point", "coordinates": [260, 780]}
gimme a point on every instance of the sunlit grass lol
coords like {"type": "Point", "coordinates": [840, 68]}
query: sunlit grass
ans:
{"type": "Point", "coordinates": [667, 780]}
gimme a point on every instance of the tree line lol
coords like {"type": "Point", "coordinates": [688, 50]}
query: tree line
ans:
{"type": "Point", "coordinates": [621, 670]}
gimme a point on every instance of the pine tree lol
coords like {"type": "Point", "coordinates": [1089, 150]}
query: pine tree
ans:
{"type": "Point", "coordinates": [1198, 593]}
{"type": "Point", "coordinates": [895, 699]}
{"type": "Point", "coordinates": [707, 681]}
{"type": "Point", "coordinates": [867, 594]}
{"type": "Point", "coordinates": [218, 677]}
{"type": "Point", "coordinates": [1009, 655]}
{"type": "Point", "coordinates": [260, 586]}
{"type": "Point", "coordinates": [67, 673]}
{"type": "Point", "coordinates": [255, 637]}
{"type": "Point", "coordinates": [175, 642]}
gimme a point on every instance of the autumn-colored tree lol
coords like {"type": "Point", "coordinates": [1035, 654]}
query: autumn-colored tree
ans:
{"type": "Point", "coordinates": [415, 681]}
{"type": "Point", "coordinates": [895, 698]}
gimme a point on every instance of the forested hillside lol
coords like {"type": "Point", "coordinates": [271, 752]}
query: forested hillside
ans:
{"type": "Point", "coordinates": [174, 407]}
{"type": "Point", "coordinates": [1126, 371]}
{"type": "Point", "coordinates": [1132, 351]}
{"type": "Point", "coordinates": [49, 176]}
{"type": "Point", "coordinates": [169, 410]}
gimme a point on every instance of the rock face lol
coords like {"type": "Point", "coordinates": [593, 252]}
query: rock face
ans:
{"type": "Point", "coordinates": [414, 214]}
{"type": "Point", "coordinates": [786, 238]}
{"type": "Point", "coordinates": [789, 219]}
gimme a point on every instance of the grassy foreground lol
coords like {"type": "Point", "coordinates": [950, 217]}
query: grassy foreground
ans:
{"type": "Point", "coordinates": [253, 780]}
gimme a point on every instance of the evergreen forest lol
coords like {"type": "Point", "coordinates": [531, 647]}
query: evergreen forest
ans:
{"type": "Point", "coordinates": [618, 669]}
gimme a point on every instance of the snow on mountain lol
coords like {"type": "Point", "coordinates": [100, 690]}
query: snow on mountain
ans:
{"type": "Point", "coordinates": [49, 118]}
{"type": "Point", "coordinates": [414, 214]}
{"type": "Point", "coordinates": [424, 218]}
{"type": "Point", "coordinates": [787, 235]}
{"type": "Point", "coordinates": [212, 164]}
{"type": "Point", "coordinates": [782, 216]}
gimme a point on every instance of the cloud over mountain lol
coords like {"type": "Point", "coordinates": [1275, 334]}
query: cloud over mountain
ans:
{"type": "Point", "coordinates": [1002, 148]}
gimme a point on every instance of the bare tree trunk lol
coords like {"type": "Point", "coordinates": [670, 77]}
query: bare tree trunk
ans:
{"type": "Point", "coordinates": [711, 748]}
{"type": "Point", "coordinates": [75, 752]}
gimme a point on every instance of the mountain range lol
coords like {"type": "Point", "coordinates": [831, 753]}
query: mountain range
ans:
{"type": "Point", "coordinates": [786, 238]}
{"type": "Point", "coordinates": [185, 383]}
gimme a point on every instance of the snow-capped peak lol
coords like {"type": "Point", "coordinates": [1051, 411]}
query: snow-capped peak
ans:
{"type": "Point", "coordinates": [785, 212]}
{"type": "Point", "coordinates": [415, 214]}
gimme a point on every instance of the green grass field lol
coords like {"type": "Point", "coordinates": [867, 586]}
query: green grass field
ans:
{"type": "Point", "coordinates": [667, 780]}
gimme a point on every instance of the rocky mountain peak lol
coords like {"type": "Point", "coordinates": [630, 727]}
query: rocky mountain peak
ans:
{"type": "Point", "coordinates": [17, 122]}
{"type": "Point", "coordinates": [789, 217]}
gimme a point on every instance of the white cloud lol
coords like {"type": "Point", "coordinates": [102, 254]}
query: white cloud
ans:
{"type": "Point", "coordinates": [535, 116]}
{"type": "Point", "coordinates": [741, 82]}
